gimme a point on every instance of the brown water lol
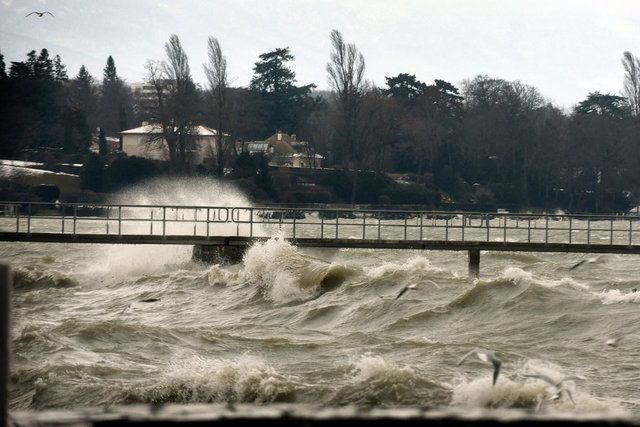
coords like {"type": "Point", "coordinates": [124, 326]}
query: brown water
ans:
{"type": "Point", "coordinates": [97, 325]}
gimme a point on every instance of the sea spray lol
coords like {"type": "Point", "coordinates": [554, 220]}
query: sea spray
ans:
{"type": "Point", "coordinates": [126, 260]}
{"type": "Point", "coordinates": [375, 382]}
{"type": "Point", "coordinates": [285, 274]}
{"type": "Point", "coordinates": [414, 266]}
{"type": "Point", "coordinates": [247, 379]}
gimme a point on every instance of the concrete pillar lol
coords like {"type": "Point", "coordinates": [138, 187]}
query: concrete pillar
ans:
{"type": "Point", "coordinates": [218, 254]}
{"type": "Point", "coordinates": [474, 263]}
{"type": "Point", "coordinates": [5, 337]}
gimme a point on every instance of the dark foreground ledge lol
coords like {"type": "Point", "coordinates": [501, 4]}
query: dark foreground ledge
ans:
{"type": "Point", "coordinates": [307, 416]}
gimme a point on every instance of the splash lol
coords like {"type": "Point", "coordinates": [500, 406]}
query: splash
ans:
{"type": "Point", "coordinates": [480, 393]}
{"type": "Point", "coordinates": [517, 275]}
{"type": "Point", "coordinates": [185, 191]}
{"type": "Point", "coordinates": [616, 296]}
{"type": "Point", "coordinates": [416, 265]}
{"type": "Point", "coordinates": [218, 276]}
{"type": "Point", "coordinates": [247, 379]}
{"type": "Point", "coordinates": [376, 382]}
{"type": "Point", "coordinates": [368, 367]}
{"type": "Point", "coordinates": [285, 274]}
{"type": "Point", "coordinates": [122, 261]}
{"type": "Point", "coordinates": [526, 393]}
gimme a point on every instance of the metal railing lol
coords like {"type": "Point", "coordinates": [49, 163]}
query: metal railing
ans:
{"type": "Point", "coordinates": [325, 223]}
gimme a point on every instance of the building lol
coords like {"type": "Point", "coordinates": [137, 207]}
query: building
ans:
{"type": "Point", "coordinates": [146, 99]}
{"type": "Point", "coordinates": [285, 150]}
{"type": "Point", "coordinates": [146, 141]}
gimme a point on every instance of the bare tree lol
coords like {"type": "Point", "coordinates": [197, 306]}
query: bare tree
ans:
{"type": "Point", "coordinates": [176, 95]}
{"type": "Point", "coordinates": [216, 72]}
{"type": "Point", "coordinates": [161, 114]}
{"type": "Point", "coordinates": [631, 89]}
{"type": "Point", "coordinates": [346, 77]}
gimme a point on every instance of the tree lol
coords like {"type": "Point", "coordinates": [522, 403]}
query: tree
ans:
{"type": "Point", "coordinates": [631, 89]}
{"type": "Point", "coordinates": [346, 77]}
{"type": "Point", "coordinates": [284, 103]}
{"type": "Point", "coordinates": [499, 134]}
{"type": "Point", "coordinates": [83, 95]}
{"type": "Point", "coordinates": [77, 133]}
{"type": "Point", "coordinates": [405, 88]}
{"type": "Point", "coordinates": [216, 72]}
{"type": "Point", "coordinates": [30, 106]}
{"type": "Point", "coordinates": [599, 104]}
{"type": "Point", "coordinates": [176, 98]}
{"type": "Point", "coordinates": [602, 138]}
{"type": "Point", "coordinates": [44, 67]}
{"type": "Point", "coordinates": [427, 124]}
{"type": "Point", "coordinates": [3, 69]}
{"type": "Point", "coordinates": [115, 100]}
{"type": "Point", "coordinates": [59, 70]}
{"type": "Point", "coordinates": [103, 149]}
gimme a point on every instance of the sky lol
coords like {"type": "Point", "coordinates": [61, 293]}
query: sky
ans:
{"type": "Point", "coordinates": [564, 48]}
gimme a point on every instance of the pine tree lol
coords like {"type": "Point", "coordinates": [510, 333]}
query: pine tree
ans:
{"type": "Point", "coordinates": [59, 70]}
{"type": "Point", "coordinates": [103, 149]}
{"type": "Point", "coordinates": [110, 75]}
{"type": "Point", "coordinates": [43, 67]}
{"type": "Point", "coordinates": [3, 70]}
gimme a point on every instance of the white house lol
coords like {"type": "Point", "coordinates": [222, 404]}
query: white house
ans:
{"type": "Point", "coordinates": [145, 141]}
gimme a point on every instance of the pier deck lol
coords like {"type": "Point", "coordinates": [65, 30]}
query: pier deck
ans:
{"type": "Point", "coordinates": [239, 227]}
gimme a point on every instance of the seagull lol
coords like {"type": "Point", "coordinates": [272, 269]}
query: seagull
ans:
{"type": "Point", "coordinates": [414, 286]}
{"type": "Point", "coordinates": [410, 287]}
{"type": "Point", "coordinates": [40, 14]}
{"type": "Point", "coordinates": [596, 260]}
{"type": "Point", "coordinates": [557, 387]}
{"type": "Point", "coordinates": [613, 342]}
{"type": "Point", "coordinates": [486, 356]}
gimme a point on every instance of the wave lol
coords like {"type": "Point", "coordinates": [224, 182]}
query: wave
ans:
{"type": "Point", "coordinates": [615, 296]}
{"type": "Point", "coordinates": [218, 276]}
{"type": "Point", "coordinates": [414, 266]}
{"type": "Point", "coordinates": [284, 274]}
{"type": "Point", "coordinates": [518, 391]}
{"type": "Point", "coordinates": [513, 282]}
{"type": "Point", "coordinates": [31, 278]}
{"type": "Point", "coordinates": [247, 379]}
{"type": "Point", "coordinates": [375, 382]}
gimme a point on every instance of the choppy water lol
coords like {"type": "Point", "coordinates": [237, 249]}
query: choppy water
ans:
{"type": "Point", "coordinates": [102, 325]}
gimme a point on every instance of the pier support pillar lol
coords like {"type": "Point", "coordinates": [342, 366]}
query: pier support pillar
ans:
{"type": "Point", "coordinates": [218, 254]}
{"type": "Point", "coordinates": [474, 263]}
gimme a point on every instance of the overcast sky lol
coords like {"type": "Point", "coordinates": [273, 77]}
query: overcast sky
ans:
{"type": "Point", "coordinates": [564, 48]}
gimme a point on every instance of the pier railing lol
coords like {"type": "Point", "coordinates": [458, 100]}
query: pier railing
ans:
{"type": "Point", "coordinates": [317, 223]}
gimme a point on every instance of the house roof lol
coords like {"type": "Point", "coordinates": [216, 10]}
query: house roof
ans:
{"type": "Point", "coordinates": [157, 129]}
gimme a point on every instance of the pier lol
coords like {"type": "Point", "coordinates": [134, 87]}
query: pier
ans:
{"type": "Point", "coordinates": [222, 231]}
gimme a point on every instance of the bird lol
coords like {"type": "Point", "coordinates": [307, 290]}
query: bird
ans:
{"type": "Point", "coordinates": [414, 286]}
{"type": "Point", "coordinates": [409, 287]}
{"type": "Point", "coordinates": [486, 356]}
{"type": "Point", "coordinates": [613, 342]}
{"type": "Point", "coordinates": [557, 390]}
{"type": "Point", "coordinates": [40, 14]}
{"type": "Point", "coordinates": [596, 260]}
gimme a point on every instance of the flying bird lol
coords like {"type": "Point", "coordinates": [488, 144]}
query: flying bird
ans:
{"type": "Point", "coordinates": [414, 286]}
{"type": "Point", "coordinates": [40, 14]}
{"type": "Point", "coordinates": [557, 388]}
{"type": "Point", "coordinates": [615, 341]}
{"type": "Point", "coordinates": [596, 260]}
{"type": "Point", "coordinates": [410, 287]}
{"type": "Point", "coordinates": [486, 356]}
